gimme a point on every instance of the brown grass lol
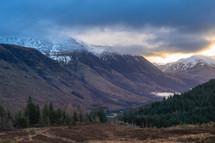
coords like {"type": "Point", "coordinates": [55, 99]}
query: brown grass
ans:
{"type": "Point", "coordinates": [112, 133]}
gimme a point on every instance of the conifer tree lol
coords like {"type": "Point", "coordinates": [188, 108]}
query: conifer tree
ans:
{"type": "Point", "coordinates": [102, 116]}
{"type": "Point", "coordinates": [59, 115]}
{"type": "Point", "coordinates": [38, 115]}
{"type": "Point", "coordinates": [32, 112]}
{"type": "Point", "coordinates": [81, 118]}
{"type": "Point", "coordinates": [74, 118]}
{"type": "Point", "coordinates": [45, 121]}
{"type": "Point", "coordinates": [52, 114]}
{"type": "Point", "coordinates": [67, 121]}
{"type": "Point", "coordinates": [20, 121]}
{"type": "Point", "coordinates": [2, 117]}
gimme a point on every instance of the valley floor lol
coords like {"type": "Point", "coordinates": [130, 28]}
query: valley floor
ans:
{"type": "Point", "coordinates": [99, 133]}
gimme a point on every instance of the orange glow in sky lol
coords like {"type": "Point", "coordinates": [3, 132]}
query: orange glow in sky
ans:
{"type": "Point", "coordinates": [209, 52]}
{"type": "Point", "coordinates": [173, 57]}
{"type": "Point", "coordinates": [167, 58]}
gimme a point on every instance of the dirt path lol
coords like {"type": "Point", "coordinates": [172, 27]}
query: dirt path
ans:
{"type": "Point", "coordinates": [41, 133]}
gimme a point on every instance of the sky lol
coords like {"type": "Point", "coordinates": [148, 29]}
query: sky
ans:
{"type": "Point", "coordinates": [160, 30]}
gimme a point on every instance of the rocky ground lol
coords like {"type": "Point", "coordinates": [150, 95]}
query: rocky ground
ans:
{"type": "Point", "coordinates": [107, 133]}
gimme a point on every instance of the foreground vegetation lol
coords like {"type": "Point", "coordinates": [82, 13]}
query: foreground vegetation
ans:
{"type": "Point", "coordinates": [107, 133]}
{"type": "Point", "coordinates": [33, 116]}
{"type": "Point", "coordinates": [196, 106]}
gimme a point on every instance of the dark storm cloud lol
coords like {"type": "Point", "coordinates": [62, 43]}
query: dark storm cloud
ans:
{"type": "Point", "coordinates": [165, 42]}
{"type": "Point", "coordinates": [179, 42]}
{"type": "Point", "coordinates": [192, 15]}
{"type": "Point", "coordinates": [45, 17]}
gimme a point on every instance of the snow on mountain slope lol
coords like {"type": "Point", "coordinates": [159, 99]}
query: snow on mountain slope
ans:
{"type": "Point", "coordinates": [55, 48]}
{"type": "Point", "coordinates": [188, 63]}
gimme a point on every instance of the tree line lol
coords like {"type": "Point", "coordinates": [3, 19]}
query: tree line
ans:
{"type": "Point", "coordinates": [34, 116]}
{"type": "Point", "coordinates": [192, 107]}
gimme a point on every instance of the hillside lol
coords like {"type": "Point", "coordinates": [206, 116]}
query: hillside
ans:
{"type": "Point", "coordinates": [133, 73]}
{"type": "Point", "coordinates": [102, 60]}
{"type": "Point", "coordinates": [193, 107]}
{"type": "Point", "coordinates": [92, 81]}
{"type": "Point", "coordinates": [26, 72]}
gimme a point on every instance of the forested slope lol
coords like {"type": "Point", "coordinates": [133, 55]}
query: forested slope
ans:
{"type": "Point", "coordinates": [192, 107]}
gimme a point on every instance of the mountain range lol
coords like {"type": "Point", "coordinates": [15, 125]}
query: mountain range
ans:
{"type": "Point", "coordinates": [199, 68]}
{"type": "Point", "coordinates": [71, 73]}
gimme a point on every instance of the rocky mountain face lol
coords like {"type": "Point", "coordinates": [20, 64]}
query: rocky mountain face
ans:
{"type": "Point", "coordinates": [199, 68]}
{"type": "Point", "coordinates": [90, 77]}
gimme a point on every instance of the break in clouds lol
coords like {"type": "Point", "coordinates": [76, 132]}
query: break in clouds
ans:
{"type": "Point", "coordinates": [142, 27]}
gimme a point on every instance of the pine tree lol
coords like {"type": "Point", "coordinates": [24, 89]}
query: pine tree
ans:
{"type": "Point", "coordinates": [67, 121]}
{"type": "Point", "coordinates": [52, 114]}
{"type": "Point", "coordinates": [2, 118]}
{"type": "Point", "coordinates": [74, 118]}
{"type": "Point", "coordinates": [32, 112]}
{"type": "Point", "coordinates": [59, 115]}
{"type": "Point", "coordinates": [2, 112]}
{"type": "Point", "coordinates": [20, 121]}
{"type": "Point", "coordinates": [81, 118]}
{"type": "Point", "coordinates": [45, 121]}
{"type": "Point", "coordinates": [102, 116]}
{"type": "Point", "coordinates": [38, 115]}
{"type": "Point", "coordinates": [64, 115]}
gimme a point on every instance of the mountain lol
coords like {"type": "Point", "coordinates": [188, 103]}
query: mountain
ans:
{"type": "Point", "coordinates": [199, 68]}
{"type": "Point", "coordinates": [196, 106]}
{"type": "Point", "coordinates": [87, 78]}
{"type": "Point", "coordinates": [27, 72]}
{"type": "Point", "coordinates": [69, 49]}
{"type": "Point", "coordinates": [54, 47]}
{"type": "Point", "coordinates": [133, 73]}
{"type": "Point", "coordinates": [46, 46]}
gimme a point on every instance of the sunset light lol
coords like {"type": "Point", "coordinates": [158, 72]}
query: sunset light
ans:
{"type": "Point", "coordinates": [209, 52]}
{"type": "Point", "coordinates": [107, 71]}
{"type": "Point", "coordinates": [167, 58]}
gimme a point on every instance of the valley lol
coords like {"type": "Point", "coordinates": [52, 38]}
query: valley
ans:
{"type": "Point", "coordinates": [107, 80]}
{"type": "Point", "coordinates": [107, 71]}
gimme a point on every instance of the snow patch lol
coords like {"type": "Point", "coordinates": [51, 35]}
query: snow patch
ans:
{"type": "Point", "coordinates": [188, 63]}
{"type": "Point", "coordinates": [54, 47]}
{"type": "Point", "coordinates": [64, 59]}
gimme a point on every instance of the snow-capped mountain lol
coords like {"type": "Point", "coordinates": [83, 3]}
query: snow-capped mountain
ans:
{"type": "Point", "coordinates": [55, 48]}
{"type": "Point", "coordinates": [188, 63]}
{"type": "Point", "coordinates": [199, 68]}
{"type": "Point", "coordinates": [112, 81]}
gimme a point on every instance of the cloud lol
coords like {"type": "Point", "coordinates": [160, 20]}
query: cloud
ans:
{"type": "Point", "coordinates": [132, 26]}
{"type": "Point", "coordinates": [146, 41]}
{"type": "Point", "coordinates": [187, 15]}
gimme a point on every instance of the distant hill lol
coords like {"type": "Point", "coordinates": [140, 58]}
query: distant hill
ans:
{"type": "Point", "coordinates": [106, 80]}
{"type": "Point", "coordinates": [199, 68]}
{"type": "Point", "coordinates": [193, 107]}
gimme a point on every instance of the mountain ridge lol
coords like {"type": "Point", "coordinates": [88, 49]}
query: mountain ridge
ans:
{"type": "Point", "coordinates": [55, 47]}
{"type": "Point", "coordinates": [110, 81]}
{"type": "Point", "coordinates": [199, 68]}
{"type": "Point", "coordinates": [187, 63]}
